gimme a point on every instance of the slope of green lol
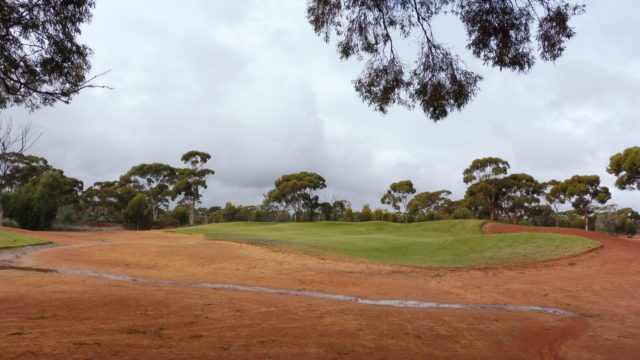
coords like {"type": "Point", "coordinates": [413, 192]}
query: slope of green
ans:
{"type": "Point", "coordinates": [435, 243]}
{"type": "Point", "coordinates": [9, 239]}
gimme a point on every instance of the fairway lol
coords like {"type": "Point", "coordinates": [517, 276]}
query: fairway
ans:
{"type": "Point", "coordinates": [9, 240]}
{"type": "Point", "coordinates": [436, 243]}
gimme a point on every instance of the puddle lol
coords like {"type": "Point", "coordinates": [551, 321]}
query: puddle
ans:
{"type": "Point", "coordinates": [314, 294]}
{"type": "Point", "coordinates": [13, 254]}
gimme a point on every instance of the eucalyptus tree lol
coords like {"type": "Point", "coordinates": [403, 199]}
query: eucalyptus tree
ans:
{"type": "Point", "coordinates": [34, 205]}
{"type": "Point", "coordinates": [14, 143]}
{"type": "Point", "coordinates": [107, 199]}
{"type": "Point", "coordinates": [297, 192]}
{"type": "Point", "coordinates": [553, 196]}
{"type": "Point", "coordinates": [583, 191]}
{"type": "Point", "coordinates": [42, 60]}
{"type": "Point", "coordinates": [430, 202]}
{"type": "Point", "coordinates": [191, 180]}
{"type": "Point", "coordinates": [483, 177]}
{"type": "Point", "coordinates": [626, 166]}
{"type": "Point", "coordinates": [518, 193]}
{"type": "Point", "coordinates": [155, 181]}
{"type": "Point", "coordinates": [398, 196]}
{"type": "Point", "coordinates": [499, 33]}
{"type": "Point", "coordinates": [137, 214]}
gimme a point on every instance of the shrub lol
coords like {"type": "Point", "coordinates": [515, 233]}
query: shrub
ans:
{"type": "Point", "coordinates": [462, 213]}
{"type": "Point", "coordinates": [137, 215]}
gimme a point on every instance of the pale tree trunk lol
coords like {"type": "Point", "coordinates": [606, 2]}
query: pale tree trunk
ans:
{"type": "Point", "coordinates": [192, 213]}
{"type": "Point", "coordinates": [586, 221]}
{"type": "Point", "coordinates": [154, 209]}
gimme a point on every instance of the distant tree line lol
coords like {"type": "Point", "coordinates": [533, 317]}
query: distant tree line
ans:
{"type": "Point", "coordinates": [35, 195]}
{"type": "Point", "coordinates": [492, 194]}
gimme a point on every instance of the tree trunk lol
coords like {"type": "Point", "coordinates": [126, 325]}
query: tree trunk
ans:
{"type": "Point", "coordinates": [192, 213]}
{"type": "Point", "coordinates": [154, 210]}
{"type": "Point", "coordinates": [1, 212]}
{"type": "Point", "coordinates": [192, 216]}
{"type": "Point", "coordinates": [586, 222]}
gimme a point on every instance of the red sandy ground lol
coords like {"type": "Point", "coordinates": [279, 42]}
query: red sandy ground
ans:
{"type": "Point", "coordinates": [55, 316]}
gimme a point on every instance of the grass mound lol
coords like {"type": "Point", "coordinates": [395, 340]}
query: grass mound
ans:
{"type": "Point", "coordinates": [436, 243]}
{"type": "Point", "coordinates": [9, 239]}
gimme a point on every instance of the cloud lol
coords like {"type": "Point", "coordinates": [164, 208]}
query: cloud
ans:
{"type": "Point", "coordinates": [250, 83]}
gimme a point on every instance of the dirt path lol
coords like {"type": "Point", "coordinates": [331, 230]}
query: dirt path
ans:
{"type": "Point", "coordinates": [54, 316]}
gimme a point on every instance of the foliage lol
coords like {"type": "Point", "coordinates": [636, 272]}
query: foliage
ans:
{"type": "Point", "coordinates": [35, 205]}
{"type": "Point", "coordinates": [167, 221]}
{"type": "Point", "coordinates": [13, 145]}
{"type": "Point", "coordinates": [435, 243]}
{"type": "Point", "coordinates": [553, 196]}
{"type": "Point", "coordinates": [430, 203]}
{"type": "Point", "coordinates": [462, 213]}
{"type": "Point", "coordinates": [105, 200]}
{"type": "Point", "coordinates": [583, 191]}
{"type": "Point", "coordinates": [191, 180]}
{"type": "Point", "coordinates": [518, 194]}
{"type": "Point", "coordinates": [297, 192]}
{"type": "Point", "coordinates": [626, 166]}
{"type": "Point", "coordinates": [484, 176]}
{"type": "Point", "coordinates": [42, 61]}
{"type": "Point", "coordinates": [155, 180]}
{"type": "Point", "coordinates": [365, 213]}
{"type": "Point", "coordinates": [620, 222]}
{"type": "Point", "coordinates": [398, 196]}
{"type": "Point", "coordinates": [137, 214]}
{"type": "Point", "coordinates": [181, 214]}
{"type": "Point", "coordinates": [499, 33]}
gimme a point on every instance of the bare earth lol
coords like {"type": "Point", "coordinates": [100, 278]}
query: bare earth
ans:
{"type": "Point", "coordinates": [58, 316]}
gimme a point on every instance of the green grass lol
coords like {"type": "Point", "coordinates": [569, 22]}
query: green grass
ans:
{"type": "Point", "coordinates": [9, 239]}
{"type": "Point", "coordinates": [436, 243]}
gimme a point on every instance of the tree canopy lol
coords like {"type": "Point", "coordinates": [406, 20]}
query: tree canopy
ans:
{"type": "Point", "coordinates": [484, 175]}
{"type": "Point", "coordinates": [41, 60]}
{"type": "Point", "coordinates": [427, 202]}
{"type": "Point", "coordinates": [398, 196]}
{"type": "Point", "coordinates": [583, 191]}
{"type": "Point", "coordinates": [297, 192]}
{"type": "Point", "coordinates": [191, 179]}
{"type": "Point", "coordinates": [156, 180]}
{"type": "Point", "coordinates": [626, 166]}
{"type": "Point", "coordinates": [34, 205]}
{"type": "Point", "coordinates": [518, 193]}
{"type": "Point", "coordinates": [501, 33]}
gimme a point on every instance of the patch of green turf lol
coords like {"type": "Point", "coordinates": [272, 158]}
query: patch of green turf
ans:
{"type": "Point", "coordinates": [9, 239]}
{"type": "Point", "coordinates": [435, 243]}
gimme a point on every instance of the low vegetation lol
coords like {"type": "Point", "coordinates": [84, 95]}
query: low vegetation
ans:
{"type": "Point", "coordinates": [9, 240]}
{"type": "Point", "coordinates": [435, 243]}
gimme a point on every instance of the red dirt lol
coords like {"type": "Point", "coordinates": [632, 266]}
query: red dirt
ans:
{"type": "Point", "coordinates": [54, 316]}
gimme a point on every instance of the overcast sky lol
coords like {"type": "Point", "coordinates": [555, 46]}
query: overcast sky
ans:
{"type": "Point", "coordinates": [251, 84]}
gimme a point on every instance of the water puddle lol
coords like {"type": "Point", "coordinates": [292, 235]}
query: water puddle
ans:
{"type": "Point", "coordinates": [314, 294]}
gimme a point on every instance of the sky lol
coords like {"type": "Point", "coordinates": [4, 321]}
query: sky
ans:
{"type": "Point", "coordinates": [250, 83]}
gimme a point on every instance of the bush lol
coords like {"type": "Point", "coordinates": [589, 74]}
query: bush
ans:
{"type": "Point", "coordinates": [167, 221]}
{"type": "Point", "coordinates": [137, 215]}
{"type": "Point", "coordinates": [462, 213]}
{"type": "Point", "coordinates": [31, 208]}
{"type": "Point", "coordinates": [8, 222]}
{"type": "Point", "coordinates": [67, 215]}
{"type": "Point", "coordinates": [614, 224]}
{"type": "Point", "coordinates": [181, 214]}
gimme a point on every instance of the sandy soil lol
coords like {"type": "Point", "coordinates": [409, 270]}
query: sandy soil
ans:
{"type": "Point", "coordinates": [56, 316]}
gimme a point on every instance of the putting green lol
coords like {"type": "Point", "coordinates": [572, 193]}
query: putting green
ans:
{"type": "Point", "coordinates": [435, 243]}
